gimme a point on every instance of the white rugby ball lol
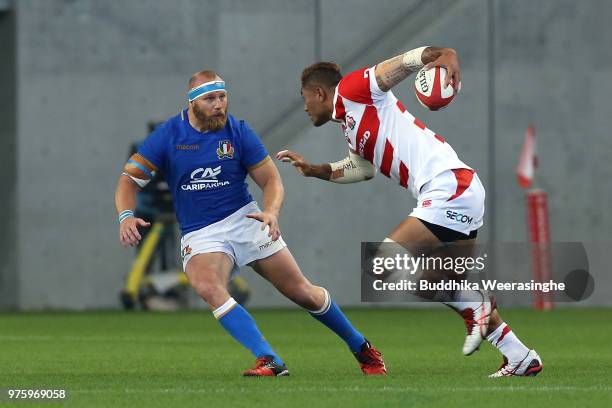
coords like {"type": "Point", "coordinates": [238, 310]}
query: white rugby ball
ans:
{"type": "Point", "coordinates": [430, 91]}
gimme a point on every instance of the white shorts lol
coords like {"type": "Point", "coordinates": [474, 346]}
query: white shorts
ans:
{"type": "Point", "coordinates": [241, 238]}
{"type": "Point", "coordinates": [453, 199]}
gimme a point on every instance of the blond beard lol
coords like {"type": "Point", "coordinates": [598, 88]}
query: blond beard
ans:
{"type": "Point", "coordinates": [209, 123]}
{"type": "Point", "coordinates": [214, 124]}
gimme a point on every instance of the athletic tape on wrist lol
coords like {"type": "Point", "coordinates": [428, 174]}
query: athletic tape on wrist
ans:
{"type": "Point", "coordinates": [355, 169]}
{"type": "Point", "coordinates": [413, 59]}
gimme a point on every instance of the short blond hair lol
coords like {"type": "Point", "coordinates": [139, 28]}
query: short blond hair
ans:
{"type": "Point", "coordinates": [205, 75]}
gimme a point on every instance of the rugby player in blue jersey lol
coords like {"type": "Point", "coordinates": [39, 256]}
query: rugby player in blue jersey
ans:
{"type": "Point", "coordinates": [205, 155]}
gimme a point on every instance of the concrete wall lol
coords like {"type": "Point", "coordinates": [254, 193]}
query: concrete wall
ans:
{"type": "Point", "coordinates": [553, 70]}
{"type": "Point", "coordinates": [325, 223]}
{"type": "Point", "coordinates": [539, 59]}
{"type": "Point", "coordinates": [91, 74]}
{"type": "Point", "coordinates": [8, 162]}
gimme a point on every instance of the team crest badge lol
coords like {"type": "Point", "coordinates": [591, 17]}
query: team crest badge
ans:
{"type": "Point", "coordinates": [350, 122]}
{"type": "Point", "coordinates": [225, 150]}
{"type": "Point", "coordinates": [186, 251]}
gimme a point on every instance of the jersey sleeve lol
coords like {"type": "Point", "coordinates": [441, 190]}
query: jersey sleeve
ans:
{"type": "Point", "coordinates": [253, 152]}
{"type": "Point", "coordinates": [154, 147]}
{"type": "Point", "coordinates": [360, 86]}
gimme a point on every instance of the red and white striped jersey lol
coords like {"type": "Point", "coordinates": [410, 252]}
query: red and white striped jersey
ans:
{"type": "Point", "coordinates": [378, 127]}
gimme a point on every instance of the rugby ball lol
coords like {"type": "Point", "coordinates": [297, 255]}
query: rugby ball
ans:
{"type": "Point", "coordinates": [430, 91]}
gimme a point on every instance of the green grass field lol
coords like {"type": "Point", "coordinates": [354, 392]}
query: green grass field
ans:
{"type": "Point", "coordinates": [185, 359]}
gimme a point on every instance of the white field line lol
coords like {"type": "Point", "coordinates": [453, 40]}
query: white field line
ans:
{"type": "Point", "coordinates": [143, 338]}
{"type": "Point", "coordinates": [292, 389]}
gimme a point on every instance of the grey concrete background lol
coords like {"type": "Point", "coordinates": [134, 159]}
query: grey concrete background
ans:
{"type": "Point", "coordinates": [88, 76]}
{"type": "Point", "coordinates": [8, 162]}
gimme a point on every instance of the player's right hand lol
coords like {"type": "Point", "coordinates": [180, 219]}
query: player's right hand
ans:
{"type": "Point", "coordinates": [449, 60]}
{"type": "Point", "coordinates": [300, 164]}
{"type": "Point", "coordinates": [128, 231]}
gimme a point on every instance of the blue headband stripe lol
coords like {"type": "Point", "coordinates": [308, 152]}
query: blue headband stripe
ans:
{"type": "Point", "coordinates": [203, 89]}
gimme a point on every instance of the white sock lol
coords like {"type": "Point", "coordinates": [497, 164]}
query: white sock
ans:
{"type": "Point", "coordinates": [325, 306]}
{"type": "Point", "coordinates": [224, 308]}
{"type": "Point", "coordinates": [507, 343]}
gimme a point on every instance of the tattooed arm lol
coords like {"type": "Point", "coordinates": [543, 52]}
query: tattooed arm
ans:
{"type": "Point", "coordinates": [392, 71]}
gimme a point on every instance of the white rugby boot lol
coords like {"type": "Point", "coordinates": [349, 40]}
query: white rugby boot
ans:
{"type": "Point", "coordinates": [530, 366]}
{"type": "Point", "coordinates": [477, 323]}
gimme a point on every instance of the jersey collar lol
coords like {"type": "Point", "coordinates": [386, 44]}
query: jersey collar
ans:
{"type": "Point", "coordinates": [338, 109]}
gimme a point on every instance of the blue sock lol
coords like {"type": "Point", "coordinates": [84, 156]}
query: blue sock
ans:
{"type": "Point", "coordinates": [241, 326]}
{"type": "Point", "coordinates": [331, 316]}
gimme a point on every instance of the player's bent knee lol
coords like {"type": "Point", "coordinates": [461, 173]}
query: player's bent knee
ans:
{"type": "Point", "coordinates": [308, 296]}
{"type": "Point", "coordinates": [212, 293]}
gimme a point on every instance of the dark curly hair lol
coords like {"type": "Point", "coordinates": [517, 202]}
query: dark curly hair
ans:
{"type": "Point", "coordinates": [321, 73]}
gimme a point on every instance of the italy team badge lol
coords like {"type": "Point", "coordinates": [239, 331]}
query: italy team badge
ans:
{"type": "Point", "coordinates": [225, 150]}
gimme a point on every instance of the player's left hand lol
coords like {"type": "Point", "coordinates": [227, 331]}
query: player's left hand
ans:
{"type": "Point", "coordinates": [449, 60]}
{"type": "Point", "coordinates": [300, 164]}
{"type": "Point", "coordinates": [267, 219]}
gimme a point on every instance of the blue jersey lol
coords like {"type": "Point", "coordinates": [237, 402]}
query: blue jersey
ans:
{"type": "Point", "coordinates": [205, 171]}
